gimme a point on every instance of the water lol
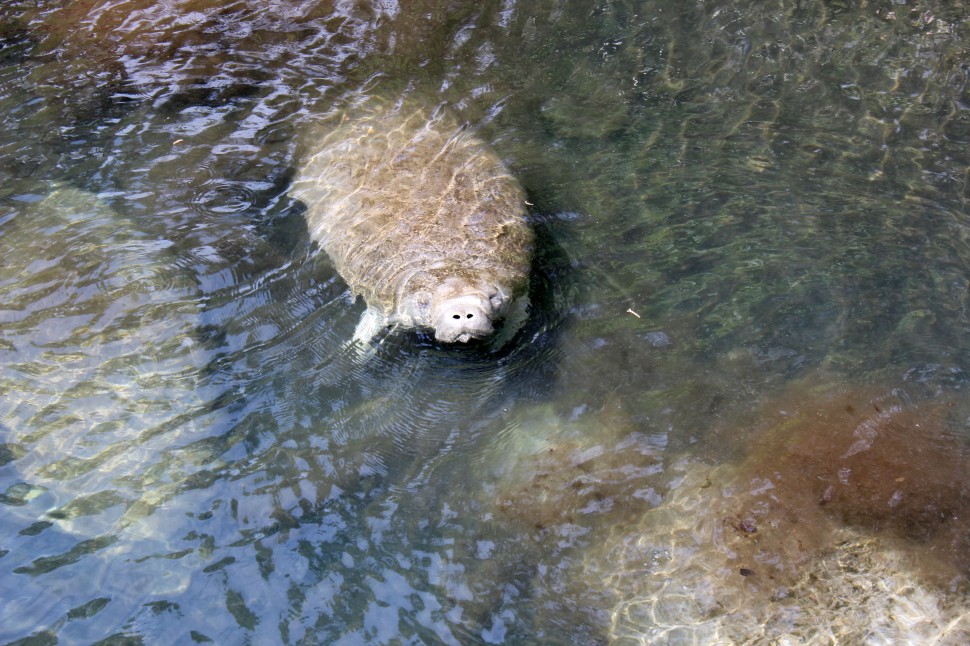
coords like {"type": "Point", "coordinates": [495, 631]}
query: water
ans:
{"type": "Point", "coordinates": [752, 270]}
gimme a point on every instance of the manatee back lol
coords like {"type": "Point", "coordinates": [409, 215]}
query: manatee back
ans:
{"type": "Point", "coordinates": [402, 199]}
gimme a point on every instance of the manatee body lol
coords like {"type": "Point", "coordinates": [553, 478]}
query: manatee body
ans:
{"type": "Point", "coordinates": [420, 218]}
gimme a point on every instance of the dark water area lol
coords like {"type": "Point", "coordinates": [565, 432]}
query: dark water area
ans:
{"type": "Point", "coordinates": [737, 407]}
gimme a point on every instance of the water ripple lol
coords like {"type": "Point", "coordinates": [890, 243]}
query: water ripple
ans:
{"type": "Point", "coordinates": [224, 198]}
{"type": "Point", "coordinates": [746, 193]}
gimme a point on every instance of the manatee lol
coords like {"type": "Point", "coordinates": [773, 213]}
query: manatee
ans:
{"type": "Point", "coordinates": [420, 218]}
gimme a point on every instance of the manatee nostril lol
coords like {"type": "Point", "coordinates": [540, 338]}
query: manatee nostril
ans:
{"type": "Point", "coordinates": [468, 316]}
{"type": "Point", "coordinates": [456, 316]}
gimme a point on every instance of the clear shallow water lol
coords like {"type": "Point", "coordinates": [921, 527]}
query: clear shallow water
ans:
{"type": "Point", "coordinates": [752, 219]}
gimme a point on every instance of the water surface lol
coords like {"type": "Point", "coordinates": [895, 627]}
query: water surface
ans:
{"type": "Point", "coordinates": [753, 264]}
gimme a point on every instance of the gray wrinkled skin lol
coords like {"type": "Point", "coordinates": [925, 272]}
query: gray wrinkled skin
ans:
{"type": "Point", "coordinates": [420, 218]}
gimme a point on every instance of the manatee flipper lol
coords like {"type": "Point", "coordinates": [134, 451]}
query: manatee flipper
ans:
{"type": "Point", "coordinates": [371, 322]}
{"type": "Point", "coordinates": [515, 318]}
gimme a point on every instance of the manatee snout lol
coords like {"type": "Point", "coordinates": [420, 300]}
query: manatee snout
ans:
{"type": "Point", "coordinates": [463, 319]}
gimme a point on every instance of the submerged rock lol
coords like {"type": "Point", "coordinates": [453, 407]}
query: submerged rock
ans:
{"type": "Point", "coordinates": [865, 459]}
{"type": "Point", "coordinates": [847, 520]}
{"type": "Point", "coordinates": [97, 359]}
